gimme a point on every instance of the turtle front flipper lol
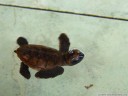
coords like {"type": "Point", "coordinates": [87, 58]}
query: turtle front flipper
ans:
{"type": "Point", "coordinates": [50, 73]}
{"type": "Point", "coordinates": [22, 41]}
{"type": "Point", "coordinates": [24, 70]}
{"type": "Point", "coordinates": [64, 43]}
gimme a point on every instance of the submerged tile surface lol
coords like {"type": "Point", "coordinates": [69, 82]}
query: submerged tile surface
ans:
{"type": "Point", "coordinates": [104, 43]}
{"type": "Point", "coordinates": [111, 8]}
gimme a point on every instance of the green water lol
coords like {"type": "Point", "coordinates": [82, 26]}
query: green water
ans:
{"type": "Point", "coordinates": [104, 42]}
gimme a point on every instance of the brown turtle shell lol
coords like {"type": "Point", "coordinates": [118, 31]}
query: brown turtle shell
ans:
{"type": "Point", "coordinates": [40, 57]}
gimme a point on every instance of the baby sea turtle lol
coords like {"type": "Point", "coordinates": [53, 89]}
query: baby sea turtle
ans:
{"type": "Point", "coordinates": [47, 61]}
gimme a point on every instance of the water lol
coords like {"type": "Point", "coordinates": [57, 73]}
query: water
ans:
{"type": "Point", "coordinates": [104, 42]}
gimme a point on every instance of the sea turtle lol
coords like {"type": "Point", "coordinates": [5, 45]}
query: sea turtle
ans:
{"type": "Point", "coordinates": [47, 61]}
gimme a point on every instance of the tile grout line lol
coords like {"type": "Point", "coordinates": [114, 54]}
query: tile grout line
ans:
{"type": "Point", "coordinates": [65, 12]}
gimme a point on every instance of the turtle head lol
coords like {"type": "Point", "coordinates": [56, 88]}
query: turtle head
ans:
{"type": "Point", "coordinates": [74, 57]}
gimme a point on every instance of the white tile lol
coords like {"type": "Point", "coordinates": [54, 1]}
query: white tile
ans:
{"type": "Point", "coordinates": [112, 8]}
{"type": "Point", "coordinates": [104, 43]}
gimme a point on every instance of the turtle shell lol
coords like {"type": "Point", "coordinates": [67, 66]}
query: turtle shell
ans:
{"type": "Point", "coordinates": [39, 57]}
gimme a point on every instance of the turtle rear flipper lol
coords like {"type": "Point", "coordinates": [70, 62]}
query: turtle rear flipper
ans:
{"type": "Point", "coordinates": [24, 71]}
{"type": "Point", "coordinates": [22, 41]}
{"type": "Point", "coordinates": [50, 73]}
{"type": "Point", "coordinates": [64, 43]}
